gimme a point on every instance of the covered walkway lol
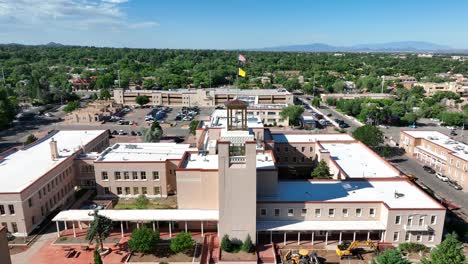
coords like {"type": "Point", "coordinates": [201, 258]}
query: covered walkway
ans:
{"type": "Point", "coordinates": [204, 219]}
{"type": "Point", "coordinates": [318, 232]}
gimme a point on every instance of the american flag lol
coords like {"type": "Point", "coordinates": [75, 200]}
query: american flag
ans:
{"type": "Point", "coordinates": [242, 58]}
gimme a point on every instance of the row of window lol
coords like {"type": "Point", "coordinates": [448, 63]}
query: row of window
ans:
{"type": "Point", "coordinates": [294, 159]}
{"type": "Point", "coordinates": [52, 184]}
{"type": "Point", "coordinates": [14, 227]}
{"type": "Point", "coordinates": [87, 168]}
{"type": "Point", "coordinates": [421, 220]}
{"type": "Point", "coordinates": [286, 149]}
{"type": "Point", "coordinates": [418, 235]}
{"type": "Point", "coordinates": [133, 190]}
{"type": "Point", "coordinates": [11, 209]}
{"type": "Point", "coordinates": [130, 175]}
{"type": "Point", "coordinates": [318, 212]}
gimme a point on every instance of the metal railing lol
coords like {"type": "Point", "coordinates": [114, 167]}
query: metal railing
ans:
{"type": "Point", "coordinates": [237, 159]}
{"type": "Point", "coordinates": [416, 227]}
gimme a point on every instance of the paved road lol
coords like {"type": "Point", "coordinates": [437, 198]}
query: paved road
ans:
{"type": "Point", "coordinates": [442, 189]}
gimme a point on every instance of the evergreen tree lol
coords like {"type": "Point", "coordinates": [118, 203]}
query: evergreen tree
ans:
{"type": "Point", "coordinates": [450, 251]}
{"type": "Point", "coordinates": [99, 229]}
{"type": "Point", "coordinates": [390, 256]}
{"type": "Point", "coordinates": [97, 257]}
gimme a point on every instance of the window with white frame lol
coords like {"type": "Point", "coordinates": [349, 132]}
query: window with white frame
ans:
{"type": "Point", "coordinates": [358, 212]}
{"type": "Point", "coordinates": [372, 212]}
{"type": "Point", "coordinates": [397, 219]}
{"type": "Point", "coordinates": [155, 175]}
{"type": "Point", "coordinates": [262, 211]}
{"type": "Point", "coordinates": [318, 212]}
{"type": "Point", "coordinates": [303, 212]}
{"type": "Point", "coordinates": [331, 212]}
{"type": "Point", "coordinates": [408, 237]}
{"type": "Point", "coordinates": [431, 237]}
{"type": "Point", "coordinates": [418, 237]}
{"type": "Point", "coordinates": [396, 236]}
{"type": "Point", "coordinates": [104, 176]}
{"type": "Point", "coordinates": [421, 221]}
{"type": "Point", "coordinates": [345, 212]}
{"type": "Point", "coordinates": [410, 221]}
{"type": "Point", "coordinates": [290, 212]}
{"type": "Point", "coordinates": [277, 212]}
{"type": "Point", "coordinates": [433, 219]}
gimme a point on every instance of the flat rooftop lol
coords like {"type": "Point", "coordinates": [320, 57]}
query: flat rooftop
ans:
{"type": "Point", "coordinates": [210, 162]}
{"type": "Point", "coordinates": [298, 138]}
{"type": "Point", "coordinates": [134, 152]}
{"type": "Point", "coordinates": [236, 91]}
{"type": "Point", "coordinates": [219, 119]}
{"type": "Point", "coordinates": [409, 196]}
{"type": "Point", "coordinates": [457, 148]}
{"type": "Point", "coordinates": [23, 167]}
{"type": "Point", "coordinates": [358, 161]}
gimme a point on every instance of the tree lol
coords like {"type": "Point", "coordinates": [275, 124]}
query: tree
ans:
{"type": "Point", "coordinates": [193, 126]}
{"type": "Point", "coordinates": [321, 171]}
{"type": "Point", "coordinates": [247, 245]}
{"type": "Point", "coordinates": [293, 112]}
{"type": "Point", "coordinates": [142, 100]}
{"type": "Point", "coordinates": [410, 118]}
{"type": "Point", "coordinates": [182, 242]}
{"type": "Point", "coordinates": [105, 94]}
{"type": "Point", "coordinates": [390, 256]}
{"type": "Point", "coordinates": [97, 257]}
{"type": "Point", "coordinates": [30, 139]}
{"type": "Point", "coordinates": [99, 229]}
{"type": "Point", "coordinates": [153, 134]}
{"type": "Point", "coordinates": [450, 251]}
{"type": "Point", "coordinates": [316, 102]}
{"type": "Point", "coordinates": [338, 86]}
{"type": "Point", "coordinates": [369, 135]}
{"type": "Point", "coordinates": [142, 202]}
{"type": "Point", "coordinates": [226, 244]}
{"type": "Point", "coordinates": [71, 106]}
{"type": "Point", "coordinates": [143, 240]}
{"type": "Point", "coordinates": [452, 118]}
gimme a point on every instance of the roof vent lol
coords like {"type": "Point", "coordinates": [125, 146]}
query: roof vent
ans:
{"type": "Point", "coordinates": [399, 195]}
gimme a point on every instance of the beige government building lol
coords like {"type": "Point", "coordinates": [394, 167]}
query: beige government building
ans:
{"type": "Point", "coordinates": [230, 182]}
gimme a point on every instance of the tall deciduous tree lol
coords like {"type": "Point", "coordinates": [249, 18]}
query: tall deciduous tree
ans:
{"type": "Point", "coordinates": [369, 135]}
{"type": "Point", "coordinates": [142, 100]}
{"type": "Point", "coordinates": [293, 112]}
{"type": "Point", "coordinates": [153, 134]}
{"type": "Point", "coordinates": [450, 251]}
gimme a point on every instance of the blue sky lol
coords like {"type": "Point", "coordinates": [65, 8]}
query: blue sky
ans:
{"type": "Point", "coordinates": [226, 24]}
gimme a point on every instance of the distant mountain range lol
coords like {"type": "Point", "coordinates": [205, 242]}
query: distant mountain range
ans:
{"type": "Point", "coordinates": [402, 46]}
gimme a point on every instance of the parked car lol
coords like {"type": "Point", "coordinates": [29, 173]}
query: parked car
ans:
{"type": "Point", "coordinates": [343, 125]}
{"type": "Point", "coordinates": [412, 126]}
{"type": "Point", "coordinates": [122, 133]}
{"type": "Point", "coordinates": [454, 184]}
{"type": "Point", "coordinates": [133, 133]}
{"type": "Point", "coordinates": [329, 115]}
{"type": "Point", "coordinates": [442, 177]}
{"type": "Point", "coordinates": [428, 169]}
{"type": "Point", "coordinates": [115, 132]}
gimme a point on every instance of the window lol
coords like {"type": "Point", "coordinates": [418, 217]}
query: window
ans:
{"type": "Point", "coordinates": [134, 175]}
{"type": "Point", "coordinates": [396, 236]}
{"type": "Point", "coordinates": [14, 227]}
{"type": "Point", "coordinates": [33, 220]}
{"type": "Point", "coordinates": [286, 149]}
{"type": "Point", "coordinates": [294, 159]}
{"type": "Point", "coordinates": [372, 212]}
{"type": "Point", "coordinates": [358, 212]}
{"type": "Point", "coordinates": [286, 159]}
{"type": "Point", "coordinates": [431, 236]}
{"type": "Point", "coordinates": [331, 212]}
{"type": "Point", "coordinates": [345, 212]}
{"type": "Point", "coordinates": [262, 211]}
{"type": "Point", "coordinates": [278, 149]}
{"type": "Point", "coordinates": [408, 237]}
{"type": "Point", "coordinates": [397, 219]}
{"type": "Point", "coordinates": [12, 209]}
{"type": "Point", "coordinates": [2, 209]}
{"type": "Point", "coordinates": [40, 194]}
{"type": "Point", "coordinates": [143, 175]}
{"type": "Point", "coordinates": [303, 212]}
{"type": "Point", "coordinates": [155, 175]}
{"type": "Point", "coordinates": [433, 219]}
{"type": "Point", "coordinates": [157, 190]}
{"type": "Point", "coordinates": [119, 190]}
{"type": "Point", "coordinates": [410, 221]}
{"type": "Point", "coordinates": [136, 190]}
{"type": "Point", "coordinates": [421, 221]}
{"type": "Point", "coordinates": [106, 190]}
{"type": "Point", "coordinates": [117, 175]}
{"type": "Point", "coordinates": [143, 190]}
{"type": "Point", "coordinates": [30, 202]}
{"type": "Point", "coordinates": [126, 175]}
{"type": "Point", "coordinates": [318, 212]}
{"type": "Point", "coordinates": [418, 237]}
{"type": "Point", "coordinates": [290, 212]}
{"type": "Point", "coordinates": [42, 210]}
{"type": "Point", "coordinates": [303, 149]}
{"type": "Point", "coordinates": [127, 190]}
{"type": "Point", "coordinates": [277, 212]}
{"type": "Point", "coordinates": [104, 176]}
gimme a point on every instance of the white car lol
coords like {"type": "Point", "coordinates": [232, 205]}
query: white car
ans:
{"type": "Point", "coordinates": [441, 177]}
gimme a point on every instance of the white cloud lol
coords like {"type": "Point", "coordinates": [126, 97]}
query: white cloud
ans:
{"type": "Point", "coordinates": [143, 24]}
{"type": "Point", "coordinates": [68, 13]}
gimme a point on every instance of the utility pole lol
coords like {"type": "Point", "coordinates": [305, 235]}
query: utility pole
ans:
{"type": "Point", "coordinates": [383, 81]}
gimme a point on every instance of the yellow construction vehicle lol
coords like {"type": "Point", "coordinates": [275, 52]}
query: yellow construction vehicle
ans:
{"type": "Point", "coordinates": [348, 249]}
{"type": "Point", "coordinates": [301, 256]}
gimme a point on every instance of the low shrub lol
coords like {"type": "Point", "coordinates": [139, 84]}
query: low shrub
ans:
{"type": "Point", "coordinates": [411, 247]}
{"type": "Point", "coordinates": [247, 245]}
{"type": "Point", "coordinates": [226, 244]}
{"type": "Point", "coordinates": [182, 242]}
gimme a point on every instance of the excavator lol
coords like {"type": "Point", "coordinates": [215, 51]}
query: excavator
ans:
{"type": "Point", "coordinates": [347, 249]}
{"type": "Point", "coordinates": [301, 256]}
